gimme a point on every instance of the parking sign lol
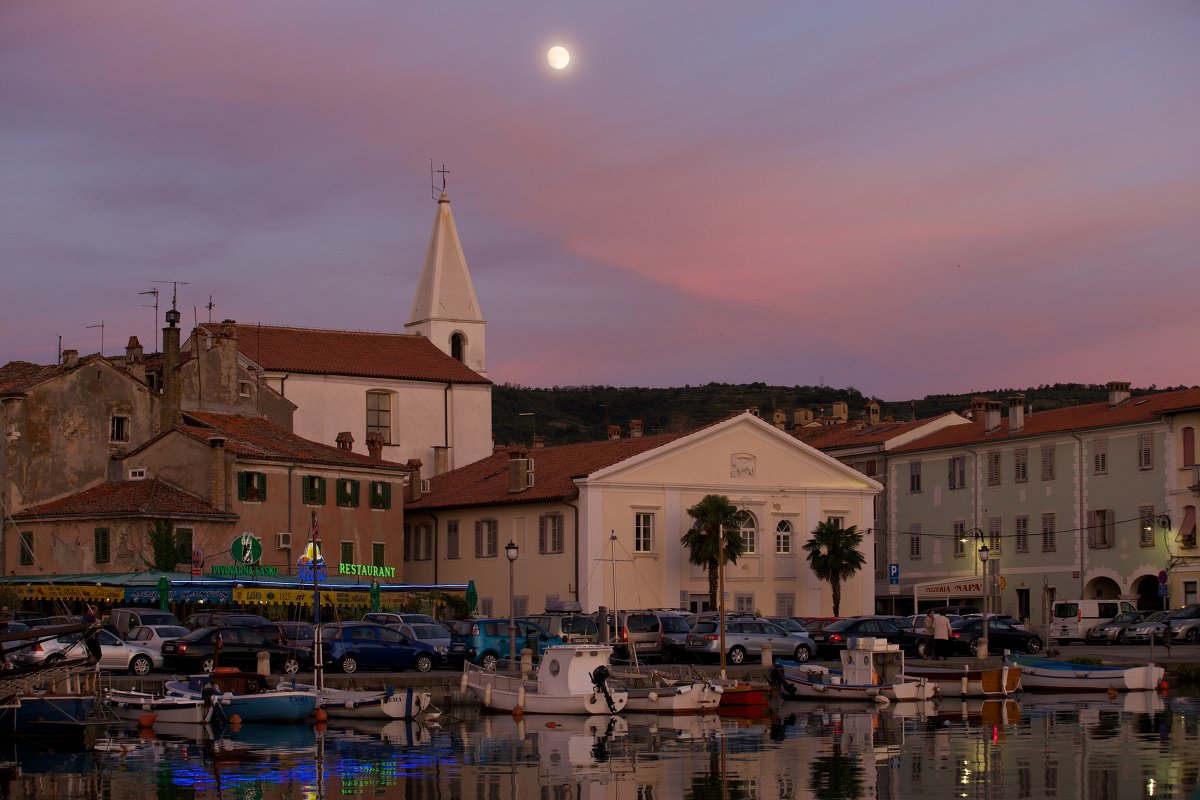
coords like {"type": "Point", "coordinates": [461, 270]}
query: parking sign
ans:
{"type": "Point", "coordinates": [894, 574]}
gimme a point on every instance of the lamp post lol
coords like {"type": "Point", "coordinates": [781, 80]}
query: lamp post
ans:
{"type": "Point", "coordinates": [511, 551]}
{"type": "Point", "coordinates": [987, 591]}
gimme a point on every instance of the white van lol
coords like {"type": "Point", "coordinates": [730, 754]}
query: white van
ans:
{"type": "Point", "coordinates": [1072, 619]}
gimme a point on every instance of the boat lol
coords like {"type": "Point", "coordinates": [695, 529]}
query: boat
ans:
{"type": "Point", "coordinates": [872, 671]}
{"type": "Point", "coordinates": [1054, 675]}
{"type": "Point", "coordinates": [56, 699]}
{"type": "Point", "coordinates": [652, 692]}
{"type": "Point", "coordinates": [246, 695]}
{"type": "Point", "coordinates": [137, 706]}
{"type": "Point", "coordinates": [570, 679]}
{"type": "Point", "coordinates": [971, 681]}
{"type": "Point", "coordinates": [739, 698]}
{"type": "Point", "coordinates": [385, 704]}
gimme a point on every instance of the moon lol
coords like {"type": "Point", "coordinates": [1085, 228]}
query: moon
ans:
{"type": "Point", "coordinates": [558, 57]}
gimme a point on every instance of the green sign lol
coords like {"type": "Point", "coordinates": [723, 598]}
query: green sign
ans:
{"type": "Point", "coordinates": [247, 570]}
{"type": "Point", "coordinates": [246, 549]}
{"type": "Point", "coordinates": [366, 569]}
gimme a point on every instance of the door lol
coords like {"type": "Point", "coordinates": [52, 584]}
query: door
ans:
{"type": "Point", "coordinates": [365, 642]}
{"type": "Point", "coordinates": [1023, 605]}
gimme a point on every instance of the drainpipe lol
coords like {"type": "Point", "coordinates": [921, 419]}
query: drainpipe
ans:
{"type": "Point", "coordinates": [291, 476]}
{"type": "Point", "coordinates": [574, 508]}
{"type": "Point", "coordinates": [446, 424]}
{"type": "Point", "coordinates": [1082, 525]}
{"type": "Point", "coordinates": [437, 524]}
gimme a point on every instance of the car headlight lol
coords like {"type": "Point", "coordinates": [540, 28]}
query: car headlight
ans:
{"type": "Point", "coordinates": [442, 649]}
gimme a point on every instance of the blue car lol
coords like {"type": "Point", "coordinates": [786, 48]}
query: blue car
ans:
{"type": "Point", "coordinates": [485, 641]}
{"type": "Point", "coordinates": [351, 646]}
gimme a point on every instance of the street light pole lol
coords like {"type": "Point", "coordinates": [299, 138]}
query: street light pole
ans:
{"type": "Point", "coordinates": [511, 551]}
{"type": "Point", "coordinates": [987, 596]}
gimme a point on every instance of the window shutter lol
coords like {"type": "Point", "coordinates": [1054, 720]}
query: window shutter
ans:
{"type": "Point", "coordinates": [321, 491]}
{"type": "Point", "coordinates": [542, 534]}
{"type": "Point", "coordinates": [262, 486]}
{"type": "Point", "coordinates": [241, 486]}
{"type": "Point", "coordinates": [478, 539]}
{"type": "Point", "coordinates": [354, 493]}
{"type": "Point", "coordinates": [386, 494]}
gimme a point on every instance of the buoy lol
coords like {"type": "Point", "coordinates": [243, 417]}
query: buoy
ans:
{"type": "Point", "coordinates": [236, 719]}
{"type": "Point", "coordinates": [518, 712]}
{"type": "Point", "coordinates": [320, 727]}
{"type": "Point", "coordinates": [551, 724]}
{"type": "Point", "coordinates": [1112, 693]}
{"type": "Point", "coordinates": [881, 700]}
{"type": "Point", "coordinates": [147, 720]}
{"type": "Point", "coordinates": [321, 715]}
{"type": "Point", "coordinates": [147, 734]}
{"type": "Point", "coordinates": [1163, 685]}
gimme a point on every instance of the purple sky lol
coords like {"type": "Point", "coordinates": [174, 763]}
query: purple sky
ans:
{"type": "Point", "coordinates": [907, 198]}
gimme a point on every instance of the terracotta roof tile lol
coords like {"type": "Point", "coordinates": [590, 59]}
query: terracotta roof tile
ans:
{"type": "Point", "coordinates": [851, 434]}
{"type": "Point", "coordinates": [151, 497]}
{"type": "Point", "coordinates": [256, 437]}
{"type": "Point", "coordinates": [486, 481]}
{"type": "Point", "coordinates": [400, 356]}
{"type": "Point", "coordinates": [1137, 409]}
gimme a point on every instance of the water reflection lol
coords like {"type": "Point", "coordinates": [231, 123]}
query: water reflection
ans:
{"type": "Point", "coordinates": [1138, 745]}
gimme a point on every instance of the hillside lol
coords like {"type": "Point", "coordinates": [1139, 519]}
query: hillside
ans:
{"type": "Point", "coordinates": [566, 414]}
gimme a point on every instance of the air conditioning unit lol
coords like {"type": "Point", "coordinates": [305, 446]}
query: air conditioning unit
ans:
{"type": "Point", "coordinates": [424, 485]}
{"type": "Point", "coordinates": [529, 480]}
{"type": "Point", "coordinates": [283, 541]}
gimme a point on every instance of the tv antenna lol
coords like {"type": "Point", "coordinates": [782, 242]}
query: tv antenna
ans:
{"type": "Point", "coordinates": [153, 291]}
{"type": "Point", "coordinates": [101, 327]}
{"type": "Point", "coordinates": [436, 193]}
{"type": "Point", "coordinates": [210, 308]}
{"type": "Point", "coordinates": [174, 290]}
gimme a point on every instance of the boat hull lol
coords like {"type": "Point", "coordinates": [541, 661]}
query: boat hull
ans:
{"type": "Point", "coordinates": [134, 706]}
{"type": "Point", "coordinates": [504, 693]}
{"type": "Point", "coordinates": [405, 704]}
{"type": "Point", "coordinates": [282, 705]}
{"type": "Point", "coordinates": [821, 684]}
{"type": "Point", "coordinates": [690, 698]}
{"type": "Point", "coordinates": [45, 714]}
{"type": "Point", "coordinates": [1047, 675]}
{"type": "Point", "coordinates": [994, 682]}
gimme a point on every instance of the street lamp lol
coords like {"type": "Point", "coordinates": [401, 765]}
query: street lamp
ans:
{"type": "Point", "coordinates": [510, 550]}
{"type": "Point", "coordinates": [987, 591]}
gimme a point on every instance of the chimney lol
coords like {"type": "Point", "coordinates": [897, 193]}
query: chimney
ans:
{"type": "Point", "coordinates": [70, 358]}
{"type": "Point", "coordinates": [802, 417]}
{"type": "Point", "coordinates": [135, 361]}
{"type": "Point", "coordinates": [518, 470]}
{"type": "Point", "coordinates": [614, 432]}
{"type": "Point", "coordinates": [991, 416]}
{"type": "Point", "coordinates": [635, 428]}
{"type": "Point", "coordinates": [1118, 392]}
{"type": "Point", "coordinates": [375, 444]}
{"type": "Point", "coordinates": [539, 441]}
{"type": "Point", "coordinates": [1016, 413]}
{"type": "Point", "coordinates": [345, 440]}
{"type": "Point", "coordinates": [840, 410]}
{"type": "Point", "coordinates": [873, 413]}
{"type": "Point", "coordinates": [217, 479]}
{"type": "Point", "coordinates": [170, 409]}
{"type": "Point", "coordinates": [414, 480]}
{"type": "Point", "coordinates": [779, 419]}
{"type": "Point", "coordinates": [978, 404]}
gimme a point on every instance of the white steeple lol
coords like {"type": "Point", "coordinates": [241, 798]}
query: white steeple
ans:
{"type": "Point", "coordinates": [445, 309]}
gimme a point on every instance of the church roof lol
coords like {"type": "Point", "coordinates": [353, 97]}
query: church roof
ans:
{"type": "Point", "coordinates": [399, 356]}
{"type": "Point", "coordinates": [445, 290]}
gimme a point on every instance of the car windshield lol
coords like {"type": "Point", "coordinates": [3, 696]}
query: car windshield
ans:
{"type": "Point", "coordinates": [675, 625]}
{"type": "Point", "coordinates": [429, 631]}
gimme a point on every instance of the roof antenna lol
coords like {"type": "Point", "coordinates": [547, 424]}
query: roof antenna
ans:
{"type": "Point", "coordinates": [210, 308]}
{"type": "Point", "coordinates": [101, 327]}
{"type": "Point", "coordinates": [153, 291]}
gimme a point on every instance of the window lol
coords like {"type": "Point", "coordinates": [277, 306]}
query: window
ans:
{"type": "Point", "coordinates": [381, 495]}
{"type": "Point", "coordinates": [457, 342]}
{"type": "Point", "coordinates": [836, 522]}
{"type": "Point", "coordinates": [1021, 524]}
{"type": "Point", "coordinates": [1188, 435]}
{"type": "Point", "coordinates": [452, 539]}
{"type": "Point", "coordinates": [1021, 465]}
{"type": "Point", "coordinates": [312, 490]}
{"type": "Point", "coordinates": [1145, 446]}
{"type": "Point", "coordinates": [1048, 470]}
{"type": "Point", "coordinates": [408, 543]}
{"type": "Point", "coordinates": [960, 534]}
{"type": "Point", "coordinates": [1100, 534]}
{"type": "Point", "coordinates": [252, 487]}
{"type": "Point", "coordinates": [347, 493]}
{"type": "Point", "coordinates": [550, 533]}
{"type": "Point", "coordinates": [914, 540]}
{"type": "Point", "coordinates": [785, 604]}
{"type": "Point", "coordinates": [1146, 514]}
{"type": "Point", "coordinates": [958, 472]}
{"type": "Point", "coordinates": [100, 543]}
{"type": "Point", "coordinates": [422, 548]}
{"type": "Point", "coordinates": [118, 430]}
{"type": "Point", "coordinates": [26, 547]}
{"type": "Point", "coordinates": [743, 603]}
{"type": "Point", "coordinates": [643, 532]}
{"type": "Point", "coordinates": [1100, 456]}
{"type": "Point", "coordinates": [869, 468]}
{"type": "Point", "coordinates": [486, 535]}
{"type": "Point", "coordinates": [1187, 529]}
{"type": "Point", "coordinates": [379, 414]}
{"type": "Point", "coordinates": [750, 533]}
{"type": "Point", "coordinates": [377, 555]}
{"type": "Point", "coordinates": [993, 461]}
{"type": "Point", "coordinates": [1048, 533]}
{"type": "Point", "coordinates": [486, 607]}
{"type": "Point", "coordinates": [783, 538]}
{"type": "Point", "coordinates": [520, 605]}
{"type": "Point", "coordinates": [183, 544]}
{"type": "Point", "coordinates": [347, 552]}
{"type": "Point", "coordinates": [244, 388]}
{"type": "Point", "coordinates": [994, 535]}
{"type": "Point", "coordinates": [914, 477]}
{"type": "Point", "coordinates": [137, 473]}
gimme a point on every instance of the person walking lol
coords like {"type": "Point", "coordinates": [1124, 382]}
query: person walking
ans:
{"type": "Point", "coordinates": [941, 636]}
{"type": "Point", "coordinates": [929, 651]}
{"type": "Point", "coordinates": [91, 637]}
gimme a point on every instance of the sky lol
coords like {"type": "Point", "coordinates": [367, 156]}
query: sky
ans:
{"type": "Point", "coordinates": [906, 198]}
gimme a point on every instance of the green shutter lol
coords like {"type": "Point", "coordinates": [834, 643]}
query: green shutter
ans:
{"type": "Point", "coordinates": [242, 480]}
{"type": "Point", "coordinates": [354, 494]}
{"type": "Point", "coordinates": [262, 486]}
{"type": "Point", "coordinates": [321, 491]}
{"type": "Point", "coordinates": [387, 495]}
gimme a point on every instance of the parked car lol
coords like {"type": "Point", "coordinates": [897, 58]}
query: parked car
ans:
{"type": "Point", "coordinates": [116, 655]}
{"type": "Point", "coordinates": [296, 634]}
{"type": "Point", "coordinates": [434, 635]}
{"type": "Point", "coordinates": [1153, 629]}
{"type": "Point", "coordinates": [1071, 619]}
{"type": "Point", "coordinates": [1113, 631]}
{"type": "Point", "coordinates": [745, 639]}
{"type": "Point", "coordinates": [234, 619]}
{"type": "Point", "coordinates": [675, 630]}
{"type": "Point", "coordinates": [966, 636]}
{"type": "Point", "coordinates": [126, 619]}
{"type": "Point", "coordinates": [571, 628]}
{"type": "Point", "coordinates": [485, 641]}
{"type": "Point", "coordinates": [396, 617]}
{"type": "Point", "coordinates": [238, 647]}
{"type": "Point", "coordinates": [814, 624]}
{"type": "Point", "coordinates": [1184, 624]}
{"type": "Point", "coordinates": [831, 640]}
{"type": "Point", "coordinates": [153, 636]}
{"type": "Point", "coordinates": [642, 630]}
{"type": "Point", "coordinates": [352, 646]}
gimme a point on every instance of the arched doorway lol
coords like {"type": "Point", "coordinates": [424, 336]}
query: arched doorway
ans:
{"type": "Point", "coordinates": [1146, 588]}
{"type": "Point", "coordinates": [458, 346]}
{"type": "Point", "coordinates": [1102, 588]}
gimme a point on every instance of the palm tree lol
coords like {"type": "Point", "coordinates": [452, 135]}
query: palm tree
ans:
{"type": "Point", "coordinates": [713, 515]}
{"type": "Point", "coordinates": [834, 556]}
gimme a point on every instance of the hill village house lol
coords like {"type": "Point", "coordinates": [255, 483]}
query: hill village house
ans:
{"type": "Point", "coordinates": [387, 437]}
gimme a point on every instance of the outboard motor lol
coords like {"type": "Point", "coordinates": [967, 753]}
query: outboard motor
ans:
{"type": "Point", "coordinates": [600, 676]}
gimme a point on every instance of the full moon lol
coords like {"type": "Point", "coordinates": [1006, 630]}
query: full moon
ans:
{"type": "Point", "coordinates": [558, 57]}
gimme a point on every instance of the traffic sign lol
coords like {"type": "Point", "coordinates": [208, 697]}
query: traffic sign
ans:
{"type": "Point", "coordinates": [894, 589]}
{"type": "Point", "coordinates": [1162, 577]}
{"type": "Point", "coordinates": [1162, 590]}
{"type": "Point", "coordinates": [894, 574]}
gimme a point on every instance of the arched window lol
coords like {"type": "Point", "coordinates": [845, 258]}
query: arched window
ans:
{"type": "Point", "coordinates": [379, 414]}
{"type": "Point", "coordinates": [458, 346]}
{"type": "Point", "coordinates": [749, 532]}
{"type": "Point", "coordinates": [1189, 446]}
{"type": "Point", "coordinates": [783, 538]}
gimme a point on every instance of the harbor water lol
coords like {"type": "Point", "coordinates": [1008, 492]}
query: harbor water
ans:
{"type": "Point", "coordinates": [1137, 745]}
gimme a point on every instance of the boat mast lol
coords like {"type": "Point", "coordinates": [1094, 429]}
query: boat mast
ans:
{"type": "Point", "coordinates": [721, 593]}
{"type": "Point", "coordinates": [318, 661]}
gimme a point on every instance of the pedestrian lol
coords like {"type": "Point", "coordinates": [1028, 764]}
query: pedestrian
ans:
{"type": "Point", "coordinates": [91, 636]}
{"type": "Point", "coordinates": [929, 652]}
{"type": "Point", "coordinates": [941, 636]}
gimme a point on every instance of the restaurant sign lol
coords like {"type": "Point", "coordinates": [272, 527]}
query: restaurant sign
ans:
{"type": "Point", "coordinates": [244, 570]}
{"type": "Point", "coordinates": [961, 587]}
{"type": "Point", "coordinates": [366, 569]}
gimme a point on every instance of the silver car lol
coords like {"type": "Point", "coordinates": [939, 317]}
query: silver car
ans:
{"type": "Point", "coordinates": [745, 639]}
{"type": "Point", "coordinates": [1113, 631]}
{"type": "Point", "coordinates": [1152, 628]}
{"type": "Point", "coordinates": [430, 633]}
{"type": "Point", "coordinates": [116, 655]}
{"type": "Point", "coordinates": [1185, 624]}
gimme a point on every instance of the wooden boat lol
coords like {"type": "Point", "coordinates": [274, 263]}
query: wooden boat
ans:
{"type": "Point", "coordinates": [246, 695]}
{"type": "Point", "coordinates": [652, 692]}
{"type": "Point", "coordinates": [385, 704]}
{"type": "Point", "coordinates": [744, 699]}
{"type": "Point", "coordinates": [872, 671]}
{"type": "Point", "coordinates": [570, 679]}
{"type": "Point", "coordinates": [134, 706]}
{"type": "Point", "coordinates": [969, 681]}
{"type": "Point", "coordinates": [1053, 675]}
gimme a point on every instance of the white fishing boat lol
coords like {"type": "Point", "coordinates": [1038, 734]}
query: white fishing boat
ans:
{"type": "Point", "coordinates": [137, 706]}
{"type": "Point", "coordinates": [246, 695]}
{"type": "Point", "coordinates": [1049, 674]}
{"type": "Point", "coordinates": [872, 671]}
{"type": "Point", "coordinates": [970, 681]}
{"type": "Point", "coordinates": [673, 697]}
{"type": "Point", "coordinates": [570, 679]}
{"type": "Point", "coordinates": [385, 704]}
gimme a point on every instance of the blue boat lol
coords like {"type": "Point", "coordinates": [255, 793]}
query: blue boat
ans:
{"type": "Point", "coordinates": [46, 714]}
{"type": "Point", "coordinates": [246, 695]}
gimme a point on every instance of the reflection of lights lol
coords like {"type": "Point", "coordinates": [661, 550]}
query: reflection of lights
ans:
{"type": "Point", "coordinates": [1150, 787]}
{"type": "Point", "coordinates": [966, 776]}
